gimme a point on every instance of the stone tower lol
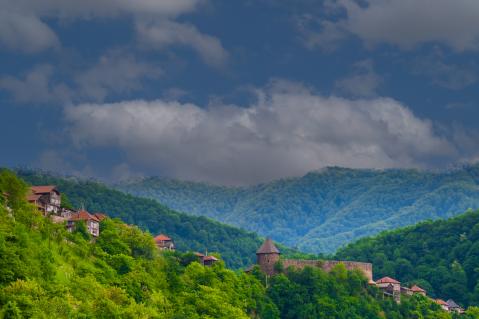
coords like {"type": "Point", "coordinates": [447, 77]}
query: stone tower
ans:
{"type": "Point", "coordinates": [267, 256]}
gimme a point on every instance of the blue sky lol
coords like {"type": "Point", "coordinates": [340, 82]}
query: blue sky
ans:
{"type": "Point", "coordinates": [237, 92]}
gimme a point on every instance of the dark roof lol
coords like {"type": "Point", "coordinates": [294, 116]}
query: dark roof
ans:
{"type": "Point", "coordinates": [207, 258]}
{"type": "Point", "coordinates": [452, 304]}
{"type": "Point", "coordinates": [268, 247]}
{"type": "Point", "coordinates": [387, 280]}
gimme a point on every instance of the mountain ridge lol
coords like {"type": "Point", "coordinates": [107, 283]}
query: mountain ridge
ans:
{"type": "Point", "coordinates": [324, 210]}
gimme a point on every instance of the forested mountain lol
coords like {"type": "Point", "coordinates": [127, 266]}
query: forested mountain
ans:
{"type": "Point", "coordinates": [236, 246]}
{"type": "Point", "coordinates": [440, 256]}
{"type": "Point", "coordinates": [47, 272]}
{"type": "Point", "coordinates": [324, 210]}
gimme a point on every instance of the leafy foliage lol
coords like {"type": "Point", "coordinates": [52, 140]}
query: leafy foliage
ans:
{"type": "Point", "coordinates": [441, 256]}
{"type": "Point", "coordinates": [237, 247]}
{"type": "Point", "coordinates": [324, 210]}
{"type": "Point", "coordinates": [46, 272]}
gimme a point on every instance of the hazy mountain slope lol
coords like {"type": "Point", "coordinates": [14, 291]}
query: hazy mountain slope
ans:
{"type": "Point", "coordinates": [323, 210]}
{"type": "Point", "coordinates": [441, 256]}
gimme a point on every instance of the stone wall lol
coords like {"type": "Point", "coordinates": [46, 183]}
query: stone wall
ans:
{"type": "Point", "coordinates": [327, 265]}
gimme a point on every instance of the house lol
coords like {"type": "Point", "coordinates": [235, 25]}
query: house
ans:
{"type": "Point", "coordinates": [164, 242]}
{"type": "Point", "coordinates": [454, 307]}
{"type": "Point", "coordinates": [209, 260]}
{"type": "Point", "coordinates": [418, 290]}
{"type": "Point", "coordinates": [390, 287]}
{"type": "Point", "coordinates": [206, 260]}
{"type": "Point", "coordinates": [443, 304]}
{"type": "Point", "coordinates": [46, 198]}
{"type": "Point", "coordinates": [92, 222]}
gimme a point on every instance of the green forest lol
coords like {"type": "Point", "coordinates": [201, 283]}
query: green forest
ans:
{"type": "Point", "coordinates": [327, 209]}
{"type": "Point", "coordinates": [440, 256]}
{"type": "Point", "coordinates": [47, 272]}
{"type": "Point", "coordinates": [236, 246]}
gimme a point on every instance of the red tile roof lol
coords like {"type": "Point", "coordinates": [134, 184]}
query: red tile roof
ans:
{"type": "Point", "coordinates": [199, 254]}
{"type": "Point", "coordinates": [441, 302]}
{"type": "Point", "coordinates": [417, 289]}
{"type": "Point", "coordinates": [387, 280]}
{"type": "Point", "coordinates": [84, 215]}
{"type": "Point", "coordinates": [162, 237]}
{"type": "Point", "coordinates": [44, 189]}
{"type": "Point", "coordinates": [100, 216]}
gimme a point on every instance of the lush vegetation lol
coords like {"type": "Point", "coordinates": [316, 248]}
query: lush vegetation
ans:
{"type": "Point", "coordinates": [440, 256]}
{"type": "Point", "coordinates": [236, 246]}
{"type": "Point", "coordinates": [47, 272]}
{"type": "Point", "coordinates": [327, 209]}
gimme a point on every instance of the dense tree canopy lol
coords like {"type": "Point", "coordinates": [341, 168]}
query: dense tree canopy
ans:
{"type": "Point", "coordinates": [47, 272]}
{"type": "Point", "coordinates": [324, 210]}
{"type": "Point", "coordinates": [440, 256]}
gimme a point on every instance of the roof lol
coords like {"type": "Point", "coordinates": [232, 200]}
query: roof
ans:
{"type": "Point", "coordinates": [100, 216]}
{"type": "Point", "coordinates": [199, 254]}
{"type": "Point", "coordinates": [84, 215]}
{"type": "Point", "coordinates": [213, 258]}
{"type": "Point", "coordinates": [452, 304]}
{"type": "Point", "coordinates": [44, 189]}
{"type": "Point", "coordinates": [387, 280]}
{"type": "Point", "coordinates": [162, 237]}
{"type": "Point", "coordinates": [417, 289]}
{"type": "Point", "coordinates": [268, 247]}
{"type": "Point", "coordinates": [441, 302]}
{"type": "Point", "coordinates": [33, 197]}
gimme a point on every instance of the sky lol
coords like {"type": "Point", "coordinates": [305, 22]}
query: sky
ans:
{"type": "Point", "coordinates": [237, 92]}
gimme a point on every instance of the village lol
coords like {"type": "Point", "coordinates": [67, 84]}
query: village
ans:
{"type": "Point", "coordinates": [48, 200]}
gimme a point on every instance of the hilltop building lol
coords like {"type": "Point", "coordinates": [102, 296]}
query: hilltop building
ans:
{"type": "Point", "coordinates": [418, 290]}
{"type": "Point", "coordinates": [454, 307]}
{"type": "Point", "coordinates": [268, 255]}
{"type": "Point", "coordinates": [92, 223]}
{"type": "Point", "coordinates": [164, 242]}
{"type": "Point", "coordinates": [390, 287]}
{"type": "Point", "coordinates": [206, 260]}
{"type": "Point", "coordinates": [46, 198]}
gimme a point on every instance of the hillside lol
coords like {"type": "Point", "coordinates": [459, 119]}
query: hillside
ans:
{"type": "Point", "coordinates": [441, 256]}
{"type": "Point", "coordinates": [236, 246]}
{"type": "Point", "coordinates": [47, 272]}
{"type": "Point", "coordinates": [324, 210]}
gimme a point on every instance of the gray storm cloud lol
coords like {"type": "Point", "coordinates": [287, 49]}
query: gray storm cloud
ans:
{"type": "Point", "coordinates": [288, 131]}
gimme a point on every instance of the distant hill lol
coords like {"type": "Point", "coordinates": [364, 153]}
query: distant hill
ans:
{"type": "Point", "coordinates": [236, 246]}
{"type": "Point", "coordinates": [324, 210]}
{"type": "Point", "coordinates": [441, 256]}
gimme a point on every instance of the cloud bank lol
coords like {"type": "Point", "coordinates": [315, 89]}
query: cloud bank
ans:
{"type": "Point", "coordinates": [404, 23]}
{"type": "Point", "coordinates": [288, 131]}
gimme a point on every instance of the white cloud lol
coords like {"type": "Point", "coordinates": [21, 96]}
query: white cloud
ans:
{"type": "Point", "coordinates": [36, 86]}
{"type": "Point", "coordinates": [408, 23]}
{"type": "Point", "coordinates": [288, 131]}
{"type": "Point", "coordinates": [114, 73]}
{"type": "Point", "coordinates": [25, 32]}
{"type": "Point", "coordinates": [162, 33]}
{"type": "Point", "coordinates": [364, 81]}
{"type": "Point", "coordinates": [22, 28]}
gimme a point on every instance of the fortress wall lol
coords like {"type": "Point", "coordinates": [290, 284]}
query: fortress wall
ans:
{"type": "Point", "coordinates": [327, 265]}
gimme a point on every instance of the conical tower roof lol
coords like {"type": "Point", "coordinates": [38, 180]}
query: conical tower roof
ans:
{"type": "Point", "coordinates": [268, 247]}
